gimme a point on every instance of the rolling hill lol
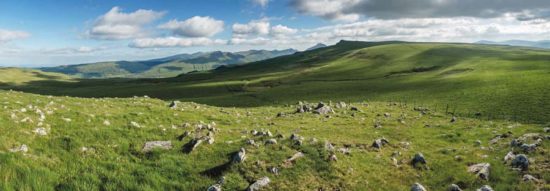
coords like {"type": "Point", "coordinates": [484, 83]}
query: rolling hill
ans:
{"type": "Point", "coordinates": [165, 67]}
{"type": "Point", "coordinates": [483, 81]}
{"type": "Point", "coordinates": [536, 44]}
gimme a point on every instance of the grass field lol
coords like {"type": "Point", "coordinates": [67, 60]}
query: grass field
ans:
{"type": "Point", "coordinates": [96, 144]}
{"type": "Point", "coordinates": [498, 82]}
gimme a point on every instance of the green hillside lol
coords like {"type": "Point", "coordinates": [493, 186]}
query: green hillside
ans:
{"type": "Point", "coordinates": [484, 81]}
{"type": "Point", "coordinates": [65, 143]}
{"type": "Point", "coordinates": [166, 67]}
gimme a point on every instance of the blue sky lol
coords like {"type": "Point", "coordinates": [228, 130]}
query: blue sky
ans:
{"type": "Point", "coordinates": [37, 33]}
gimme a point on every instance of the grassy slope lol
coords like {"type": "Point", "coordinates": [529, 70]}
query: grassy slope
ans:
{"type": "Point", "coordinates": [114, 160]}
{"type": "Point", "coordinates": [498, 81]}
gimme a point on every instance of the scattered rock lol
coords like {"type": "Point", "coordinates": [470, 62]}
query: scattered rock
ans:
{"type": "Point", "coordinates": [274, 170]}
{"type": "Point", "coordinates": [529, 178]}
{"type": "Point", "coordinates": [106, 123]}
{"type": "Point", "coordinates": [333, 157]}
{"type": "Point", "coordinates": [41, 131]}
{"type": "Point", "coordinates": [387, 115]}
{"type": "Point", "coordinates": [149, 146]}
{"type": "Point", "coordinates": [329, 146]}
{"type": "Point", "coordinates": [23, 148]}
{"type": "Point", "coordinates": [547, 129]}
{"type": "Point", "coordinates": [240, 156]}
{"type": "Point", "coordinates": [295, 157]}
{"type": "Point", "coordinates": [281, 114]}
{"type": "Point", "coordinates": [271, 142]}
{"type": "Point", "coordinates": [481, 170]}
{"type": "Point", "coordinates": [192, 145]}
{"type": "Point", "coordinates": [215, 187]}
{"type": "Point", "coordinates": [341, 104]}
{"type": "Point", "coordinates": [510, 156]}
{"type": "Point", "coordinates": [478, 143]}
{"type": "Point", "coordinates": [262, 182]}
{"type": "Point", "coordinates": [418, 158]}
{"type": "Point", "coordinates": [173, 104]}
{"type": "Point", "coordinates": [182, 136]}
{"type": "Point", "coordinates": [323, 109]}
{"type": "Point", "coordinates": [528, 147]}
{"type": "Point", "coordinates": [521, 161]}
{"type": "Point", "coordinates": [454, 187]}
{"type": "Point", "coordinates": [354, 109]}
{"type": "Point", "coordinates": [417, 187]}
{"type": "Point", "coordinates": [379, 143]}
{"type": "Point", "coordinates": [453, 119]}
{"type": "Point", "coordinates": [377, 125]}
{"type": "Point", "coordinates": [345, 150]}
{"type": "Point", "coordinates": [209, 139]}
{"type": "Point", "coordinates": [135, 124]}
{"type": "Point", "coordinates": [485, 188]}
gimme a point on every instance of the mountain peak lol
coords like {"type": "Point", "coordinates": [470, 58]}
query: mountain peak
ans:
{"type": "Point", "coordinates": [317, 46]}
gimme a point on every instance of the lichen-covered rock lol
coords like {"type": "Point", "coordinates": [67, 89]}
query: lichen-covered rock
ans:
{"type": "Point", "coordinates": [262, 182]}
{"type": "Point", "coordinates": [379, 143]}
{"type": "Point", "coordinates": [151, 145]}
{"type": "Point", "coordinates": [481, 170]}
{"type": "Point", "coordinates": [485, 188]}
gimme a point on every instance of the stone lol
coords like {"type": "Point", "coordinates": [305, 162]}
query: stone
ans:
{"type": "Point", "coordinates": [262, 182]}
{"type": "Point", "coordinates": [23, 148]}
{"type": "Point", "coordinates": [240, 156]}
{"type": "Point", "coordinates": [209, 139]}
{"type": "Point", "coordinates": [417, 187]}
{"type": "Point", "coordinates": [418, 158]}
{"type": "Point", "coordinates": [271, 142]}
{"type": "Point", "coordinates": [182, 136]}
{"type": "Point", "coordinates": [485, 188]}
{"type": "Point", "coordinates": [173, 104]}
{"type": "Point", "coordinates": [41, 131]}
{"type": "Point", "coordinates": [323, 109]}
{"type": "Point", "coordinates": [453, 119]}
{"type": "Point", "coordinates": [333, 157]}
{"type": "Point", "coordinates": [481, 170]}
{"type": "Point", "coordinates": [295, 157]}
{"type": "Point", "coordinates": [478, 143]}
{"type": "Point", "coordinates": [151, 145]}
{"type": "Point", "coordinates": [379, 143]}
{"type": "Point", "coordinates": [528, 147]}
{"type": "Point", "coordinates": [135, 124]}
{"type": "Point", "coordinates": [530, 178]}
{"type": "Point", "coordinates": [341, 104]}
{"type": "Point", "coordinates": [454, 187]}
{"type": "Point", "coordinates": [215, 187]}
{"type": "Point", "coordinates": [387, 115]}
{"type": "Point", "coordinates": [329, 146]}
{"type": "Point", "coordinates": [547, 129]}
{"type": "Point", "coordinates": [510, 156]}
{"type": "Point", "coordinates": [521, 161]}
{"type": "Point", "coordinates": [345, 150]}
{"type": "Point", "coordinates": [377, 125]}
{"type": "Point", "coordinates": [295, 137]}
{"type": "Point", "coordinates": [106, 123]}
{"type": "Point", "coordinates": [354, 109]}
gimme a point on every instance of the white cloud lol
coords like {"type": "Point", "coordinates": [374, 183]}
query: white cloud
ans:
{"type": "Point", "coordinates": [9, 35]}
{"type": "Point", "coordinates": [328, 9]}
{"type": "Point", "coordinates": [255, 27]}
{"type": "Point", "coordinates": [77, 50]}
{"type": "Point", "coordinates": [116, 25]}
{"type": "Point", "coordinates": [195, 27]}
{"type": "Point", "coordinates": [175, 42]}
{"type": "Point", "coordinates": [262, 3]}
{"type": "Point", "coordinates": [279, 30]}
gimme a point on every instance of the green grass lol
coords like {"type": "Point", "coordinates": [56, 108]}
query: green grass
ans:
{"type": "Point", "coordinates": [56, 162]}
{"type": "Point", "coordinates": [500, 82]}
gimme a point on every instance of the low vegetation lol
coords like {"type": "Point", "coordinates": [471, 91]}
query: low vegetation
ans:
{"type": "Point", "coordinates": [66, 143]}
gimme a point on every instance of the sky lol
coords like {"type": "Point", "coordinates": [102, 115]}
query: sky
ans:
{"type": "Point", "coordinates": [38, 33]}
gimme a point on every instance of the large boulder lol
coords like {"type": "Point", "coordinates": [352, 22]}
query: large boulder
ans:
{"type": "Point", "coordinates": [151, 145]}
{"type": "Point", "coordinates": [262, 182]}
{"type": "Point", "coordinates": [481, 170]}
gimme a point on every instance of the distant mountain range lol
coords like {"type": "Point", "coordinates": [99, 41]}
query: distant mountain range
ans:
{"type": "Point", "coordinates": [166, 67]}
{"type": "Point", "coordinates": [536, 44]}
